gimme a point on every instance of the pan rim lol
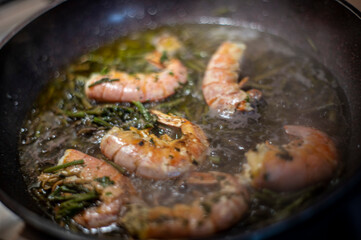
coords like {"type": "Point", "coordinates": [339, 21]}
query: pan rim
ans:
{"type": "Point", "coordinates": [28, 20]}
{"type": "Point", "coordinates": [39, 222]}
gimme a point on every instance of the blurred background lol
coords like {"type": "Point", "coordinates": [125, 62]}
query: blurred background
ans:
{"type": "Point", "coordinates": [14, 12]}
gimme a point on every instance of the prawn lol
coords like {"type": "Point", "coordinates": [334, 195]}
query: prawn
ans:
{"type": "Point", "coordinates": [219, 86]}
{"type": "Point", "coordinates": [309, 159]}
{"type": "Point", "coordinates": [150, 156]}
{"type": "Point", "coordinates": [119, 86]}
{"type": "Point", "coordinates": [214, 212]}
{"type": "Point", "coordinates": [113, 189]}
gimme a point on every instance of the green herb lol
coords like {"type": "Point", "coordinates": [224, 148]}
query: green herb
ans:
{"type": "Point", "coordinates": [143, 110]}
{"type": "Point", "coordinates": [79, 198]}
{"type": "Point", "coordinates": [197, 66]}
{"type": "Point", "coordinates": [83, 100]}
{"type": "Point", "coordinates": [70, 210]}
{"type": "Point", "coordinates": [247, 98]}
{"type": "Point", "coordinates": [54, 195]}
{"type": "Point", "coordinates": [171, 104]}
{"type": "Point", "coordinates": [76, 204]}
{"type": "Point", "coordinates": [77, 114]}
{"type": "Point", "coordinates": [164, 57]}
{"type": "Point", "coordinates": [103, 80]}
{"type": "Point", "coordinates": [95, 111]}
{"type": "Point", "coordinates": [105, 181]}
{"type": "Point", "coordinates": [104, 71]}
{"type": "Point", "coordinates": [100, 121]}
{"type": "Point", "coordinates": [116, 166]}
{"type": "Point", "coordinates": [215, 159]}
{"type": "Point", "coordinates": [62, 166]}
{"type": "Point", "coordinates": [61, 197]}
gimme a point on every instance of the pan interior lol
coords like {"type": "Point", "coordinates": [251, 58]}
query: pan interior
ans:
{"type": "Point", "coordinates": [40, 61]}
{"type": "Point", "coordinates": [297, 91]}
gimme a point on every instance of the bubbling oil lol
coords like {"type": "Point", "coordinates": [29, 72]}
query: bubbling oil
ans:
{"type": "Point", "coordinates": [296, 90]}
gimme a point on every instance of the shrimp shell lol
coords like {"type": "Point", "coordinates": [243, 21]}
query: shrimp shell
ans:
{"type": "Point", "coordinates": [212, 213]}
{"type": "Point", "coordinates": [220, 88]}
{"type": "Point", "coordinates": [149, 156]}
{"type": "Point", "coordinates": [304, 161]}
{"type": "Point", "coordinates": [112, 197]}
{"type": "Point", "coordinates": [124, 87]}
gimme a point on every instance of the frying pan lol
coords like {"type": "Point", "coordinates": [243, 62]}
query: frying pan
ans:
{"type": "Point", "coordinates": [32, 55]}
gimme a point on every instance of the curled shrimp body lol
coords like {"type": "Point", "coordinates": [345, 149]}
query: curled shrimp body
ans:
{"type": "Point", "coordinates": [112, 196]}
{"type": "Point", "coordinates": [119, 86]}
{"type": "Point", "coordinates": [304, 161]}
{"type": "Point", "coordinates": [124, 87]}
{"type": "Point", "coordinates": [215, 211]}
{"type": "Point", "coordinates": [220, 88]}
{"type": "Point", "coordinates": [150, 156]}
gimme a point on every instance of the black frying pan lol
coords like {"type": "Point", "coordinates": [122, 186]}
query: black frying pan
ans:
{"type": "Point", "coordinates": [30, 57]}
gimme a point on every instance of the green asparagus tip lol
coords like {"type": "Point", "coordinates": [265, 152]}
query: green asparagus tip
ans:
{"type": "Point", "coordinates": [62, 166]}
